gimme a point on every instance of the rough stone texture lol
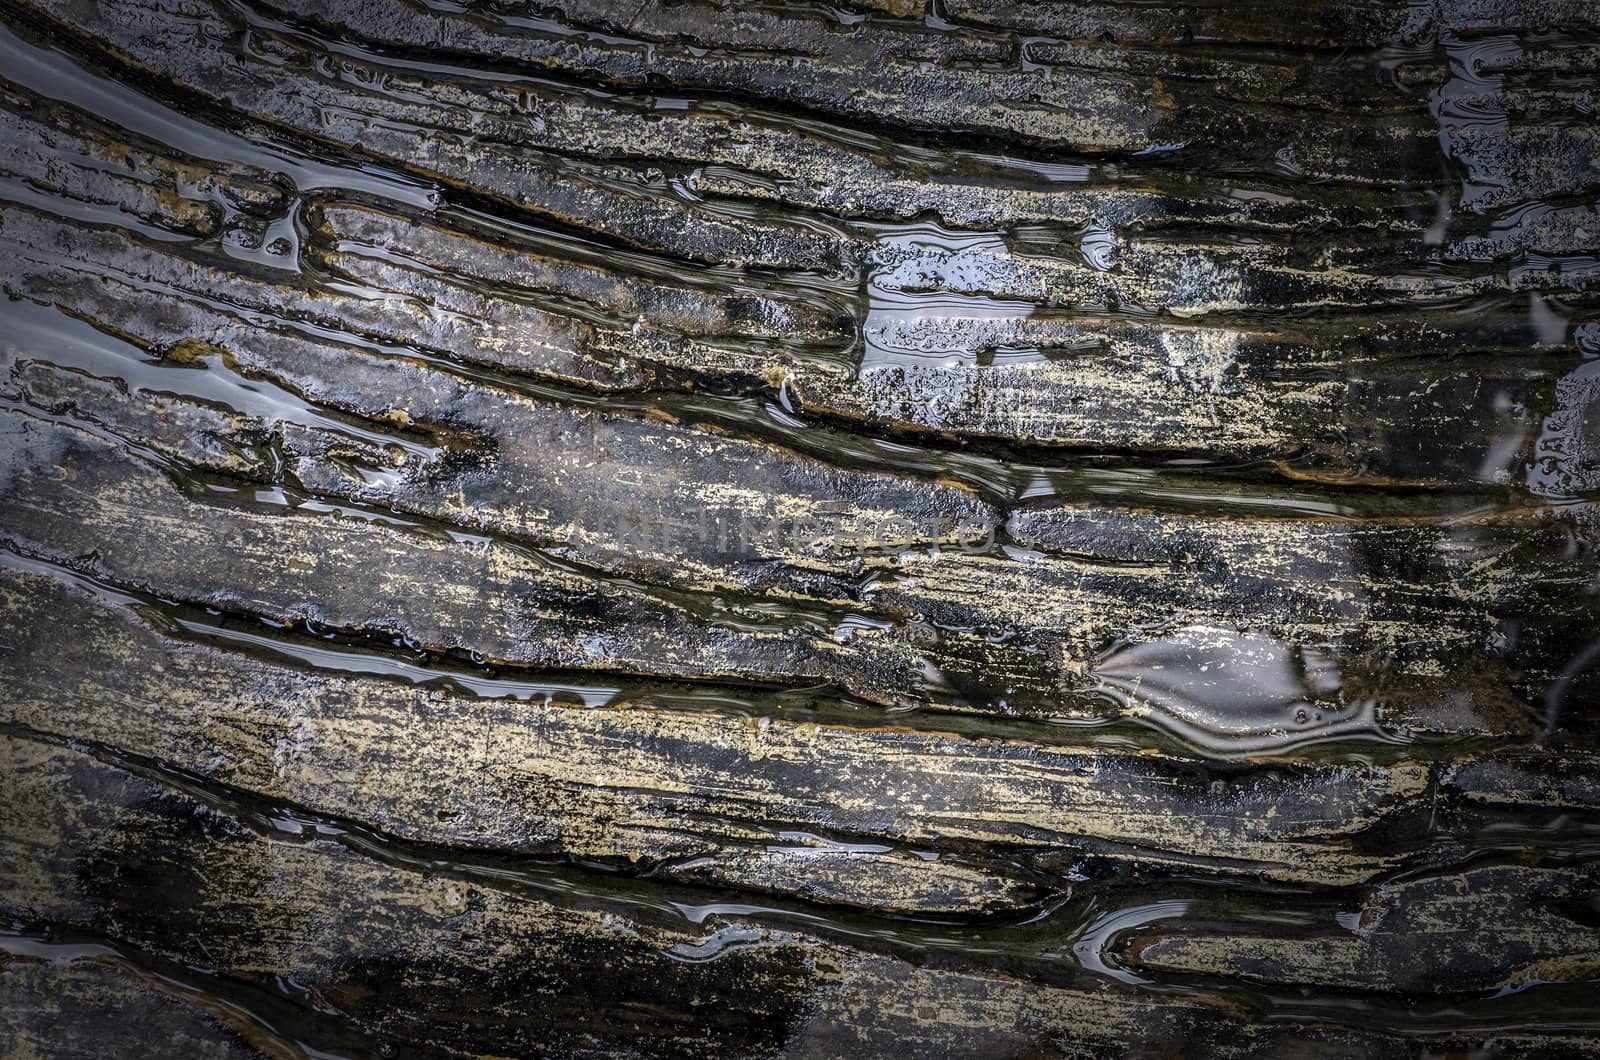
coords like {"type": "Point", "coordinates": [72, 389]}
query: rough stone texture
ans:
{"type": "Point", "coordinates": [967, 528]}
